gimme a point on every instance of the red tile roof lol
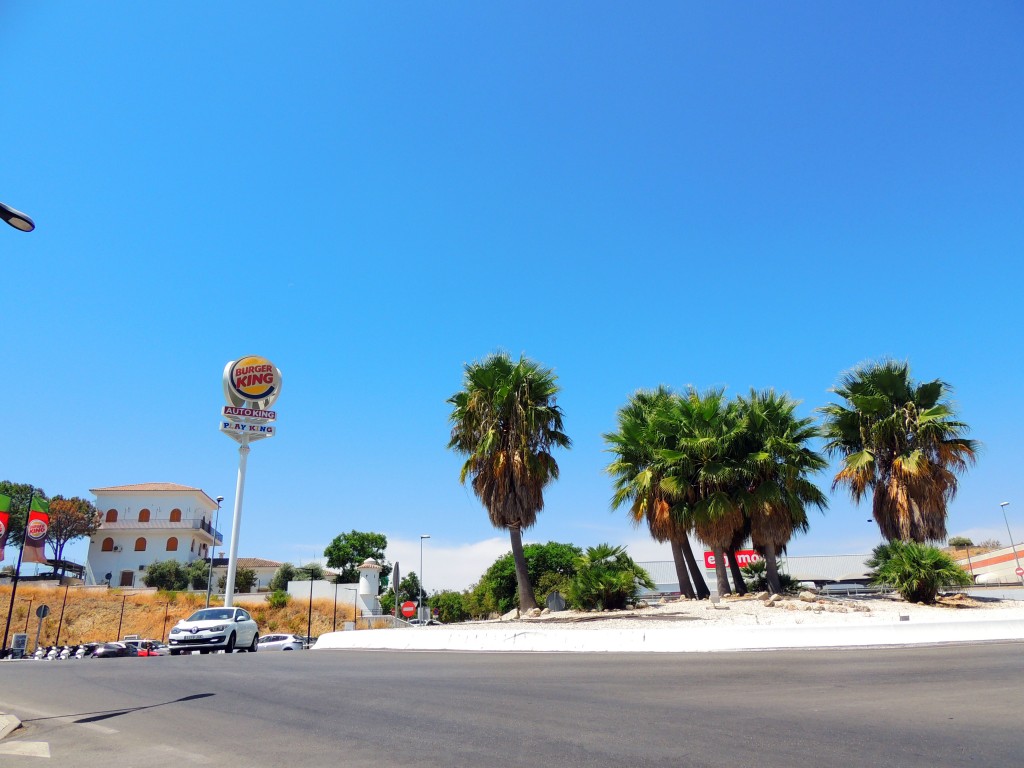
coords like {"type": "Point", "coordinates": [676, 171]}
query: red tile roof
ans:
{"type": "Point", "coordinates": [146, 488]}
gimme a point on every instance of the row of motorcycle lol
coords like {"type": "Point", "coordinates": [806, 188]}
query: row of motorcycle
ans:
{"type": "Point", "coordinates": [58, 653]}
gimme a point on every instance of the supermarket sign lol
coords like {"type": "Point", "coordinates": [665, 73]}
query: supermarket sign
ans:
{"type": "Point", "coordinates": [743, 557]}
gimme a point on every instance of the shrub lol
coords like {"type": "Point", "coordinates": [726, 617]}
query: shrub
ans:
{"type": "Point", "coordinates": [245, 580]}
{"type": "Point", "coordinates": [278, 599]}
{"type": "Point", "coordinates": [916, 571]}
{"type": "Point", "coordinates": [198, 572]}
{"type": "Point", "coordinates": [755, 577]}
{"type": "Point", "coordinates": [449, 605]}
{"type": "Point", "coordinates": [284, 574]}
{"type": "Point", "coordinates": [607, 578]}
{"type": "Point", "coordinates": [960, 542]}
{"type": "Point", "coordinates": [168, 575]}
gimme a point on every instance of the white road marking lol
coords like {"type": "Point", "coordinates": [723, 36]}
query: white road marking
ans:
{"type": "Point", "coordinates": [25, 748]}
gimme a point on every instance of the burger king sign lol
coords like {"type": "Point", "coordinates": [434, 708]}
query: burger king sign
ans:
{"type": "Point", "coordinates": [251, 386]}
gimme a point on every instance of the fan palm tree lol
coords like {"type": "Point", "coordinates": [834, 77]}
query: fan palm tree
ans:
{"type": "Point", "coordinates": [704, 469]}
{"type": "Point", "coordinates": [780, 461]}
{"type": "Point", "coordinates": [900, 440]}
{"type": "Point", "coordinates": [506, 421]}
{"type": "Point", "coordinates": [637, 479]}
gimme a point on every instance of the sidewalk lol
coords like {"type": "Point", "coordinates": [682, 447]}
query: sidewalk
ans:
{"type": "Point", "coordinates": [689, 637]}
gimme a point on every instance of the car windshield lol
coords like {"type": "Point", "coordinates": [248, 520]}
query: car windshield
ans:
{"type": "Point", "coordinates": [213, 614]}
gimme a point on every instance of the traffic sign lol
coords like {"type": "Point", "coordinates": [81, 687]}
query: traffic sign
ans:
{"type": "Point", "coordinates": [408, 608]}
{"type": "Point", "coordinates": [1019, 571]}
{"type": "Point", "coordinates": [43, 611]}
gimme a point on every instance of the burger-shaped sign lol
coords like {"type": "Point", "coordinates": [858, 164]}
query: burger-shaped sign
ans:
{"type": "Point", "coordinates": [251, 382]}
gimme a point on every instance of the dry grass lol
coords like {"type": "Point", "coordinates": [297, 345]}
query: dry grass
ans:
{"type": "Point", "coordinates": [92, 615]}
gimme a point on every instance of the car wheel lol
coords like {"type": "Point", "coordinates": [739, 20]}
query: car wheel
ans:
{"type": "Point", "coordinates": [204, 651]}
{"type": "Point", "coordinates": [230, 647]}
{"type": "Point", "coordinates": [175, 653]}
{"type": "Point", "coordinates": [252, 645]}
{"type": "Point", "coordinates": [286, 648]}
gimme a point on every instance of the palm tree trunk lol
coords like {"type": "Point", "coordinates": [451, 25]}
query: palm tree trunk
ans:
{"type": "Point", "coordinates": [700, 587]}
{"type": "Point", "coordinates": [684, 581]}
{"type": "Point", "coordinates": [771, 566]}
{"type": "Point", "coordinates": [737, 574]}
{"type": "Point", "coordinates": [527, 602]}
{"type": "Point", "coordinates": [721, 577]}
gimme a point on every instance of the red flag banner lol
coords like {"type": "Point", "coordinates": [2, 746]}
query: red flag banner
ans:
{"type": "Point", "coordinates": [5, 521]}
{"type": "Point", "coordinates": [35, 532]}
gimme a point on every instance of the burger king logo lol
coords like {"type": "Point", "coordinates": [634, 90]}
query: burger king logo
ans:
{"type": "Point", "coordinates": [253, 378]}
{"type": "Point", "coordinates": [36, 529]}
{"type": "Point", "coordinates": [3, 530]}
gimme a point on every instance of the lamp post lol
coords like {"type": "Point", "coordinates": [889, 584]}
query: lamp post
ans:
{"type": "Point", "coordinates": [209, 578]}
{"type": "Point", "coordinates": [1003, 505]}
{"type": "Point", "coordinates": [422, 537]}
{"type": "Point", "coordinates": [16, 219]}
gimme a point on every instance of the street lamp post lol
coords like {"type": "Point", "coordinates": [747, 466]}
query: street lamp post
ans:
{"type": "Point", "coordinates": [422, 537]}
{"type": "Point", "coordinates": [209, 577]}
{"type": "Point", "coordinates": [1003, 505]}
{"type": "Point", "coordinates": [16, 219]}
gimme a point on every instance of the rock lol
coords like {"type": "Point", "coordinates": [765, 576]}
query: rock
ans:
{"type": "Point", "coordinates": [772, 600]}
{"type": "Point", "coordinates": [511, 615]}
{"type": "Point", "coordinates": [545, 612]}
{"type": "Point", "coordinates": [534, 612]}
{"type": "Point", "coordinates": [762, 596]}
{"type": "Point", "coordinates": [808, 597]}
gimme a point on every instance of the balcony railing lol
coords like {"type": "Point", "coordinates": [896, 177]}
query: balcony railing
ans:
{"type": "Point", "coordinates": [163, 524]}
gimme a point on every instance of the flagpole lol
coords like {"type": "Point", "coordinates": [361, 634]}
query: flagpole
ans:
{"type": "Point", "coordinates": [17, 571]}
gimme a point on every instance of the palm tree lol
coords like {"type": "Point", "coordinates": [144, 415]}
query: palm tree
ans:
{"type": "Point", "coordinates": [506, 421]}
{"type": "Point", "coordinates": [901, 440]}
{"type": "Point", "coordinates": [780, 462]}
{"type": "Point", "coordinates": [637, 481]}
{"type": "Point", "coordinates": [704, 470]}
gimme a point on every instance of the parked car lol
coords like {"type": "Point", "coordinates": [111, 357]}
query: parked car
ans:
{"type": "Point", "coordinates": [281, 643]}
{"type": "Point", "coordinates": [424, 623]}
{"type": "Point", "coordinates": [215, 629]}
{"type": "Point", "coordinates": [147, 647]}
{"type": "Point", "coordinates": [112, 650]}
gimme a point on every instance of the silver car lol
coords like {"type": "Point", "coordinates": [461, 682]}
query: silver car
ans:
{"type": "Point", "coordinates": [215, 629]}
{"type": "Point", "coordinates": [281, 643]}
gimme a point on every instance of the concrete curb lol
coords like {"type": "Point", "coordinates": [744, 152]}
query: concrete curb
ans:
{"type": "Point", "coordinates": [687, 639]}
{"type": "Point", "coordinates": [8, 724]}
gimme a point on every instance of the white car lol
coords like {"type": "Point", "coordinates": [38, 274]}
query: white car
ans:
{"type": "Point", "coordinates": [281, 643]}
{"type": "Point", "coordinates": [215, 629]}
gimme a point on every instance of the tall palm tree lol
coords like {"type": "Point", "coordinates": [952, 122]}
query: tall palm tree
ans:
{"type": "Point", "coordinates": [900, 440]}
{"type": "Point", "coordinates": [637, 479]}
{"type": "Point", "coordinates": [704, 470]}
{"type": "Point", "coordinates": [781, 461]}
{"type": "Point", "coordinates": [506, 421]}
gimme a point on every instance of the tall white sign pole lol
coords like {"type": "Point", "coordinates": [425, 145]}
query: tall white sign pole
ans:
{"type": "Point", "coordinates": [236, 523]}
{"type": "Point", "coordinates": [251, 386]}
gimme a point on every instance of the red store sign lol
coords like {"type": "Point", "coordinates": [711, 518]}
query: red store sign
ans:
{"type": "Point", "coordinates": [743, 557]}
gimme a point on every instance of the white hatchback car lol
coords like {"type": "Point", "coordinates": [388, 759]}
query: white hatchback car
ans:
{"type": "Point", "coordinates": [215, 629]}
{"type": "Point", "coordinates": [281, 643]}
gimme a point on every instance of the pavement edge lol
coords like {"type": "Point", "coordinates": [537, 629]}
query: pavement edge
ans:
{"type": "Point", "coordinates": [8, 724]}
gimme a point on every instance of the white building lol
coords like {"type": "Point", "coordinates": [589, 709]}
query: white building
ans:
{"type": "Point", "coordinates": [147, 522]}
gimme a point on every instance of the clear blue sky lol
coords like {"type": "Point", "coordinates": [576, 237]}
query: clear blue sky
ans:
{"type": "Point", "coordinates": [374, 194]}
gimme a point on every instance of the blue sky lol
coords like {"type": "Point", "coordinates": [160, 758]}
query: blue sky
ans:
{"type": "Point", "coordinates": [373, 195]}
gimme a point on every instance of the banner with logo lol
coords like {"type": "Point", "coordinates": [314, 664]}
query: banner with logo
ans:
{"type": "Point", "coordinates": [34, 550]}
{"type": "Point", "coordinates": [5, 521]}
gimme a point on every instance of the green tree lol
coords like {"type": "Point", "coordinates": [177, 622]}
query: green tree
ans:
{"type": "Point", "coordinates": [169, 575]}
{"type": "Point", "coordinates": [637, 475]}
{"type": "Point", "coordinates": [309, 571]}
{"type": "Point", "coordinates": [550, 566]}
{"type": "Point", "coordinates": [70, 519]}
{"type": "Point", "coordinates": [349, 550]}
{"type": "Point", "coordinates": [281, 577]}
{"type": "Point", "coordinates": [245, 580]}
{"type": "Point", "coordinates": [778, 463]}
{"type": "Point", "coordinates": [409, 589]}
{"type": "Point", "coordinates": [607, 578]}
{"type": "Point", "coordinates": [449, 606]}
{"type": "Point", "coordinates": [901, 441]}
{"type": "Point", "coordinates": [505, 419]}
{"type": "Point", "coordinates": [20, 495]}
{"type": "Point", "coordinates": [917, 571]}
{"type": "Point", "coordinates": [198, 573]}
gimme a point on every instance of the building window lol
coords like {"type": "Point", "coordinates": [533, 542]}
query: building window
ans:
{"type": "Point", "coordinates": [193, 547]}
{"type": "Point", "coordinates": [140, 544]}
{"type": "Point", "coordinates": [108, 545]}
{"type": "Point", "coordinates": [172, 544]}
{"type": "Point", "coordinates": [175, 515]}
{"type": "Point", "coordinates": [143, 515]}
{"type": "Point", "coordinates": [111, 516]}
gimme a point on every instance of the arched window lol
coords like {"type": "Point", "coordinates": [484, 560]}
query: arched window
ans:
{"type": "Point", "coordinates": [143, 515]}
{"type": "Point", "coordinates": [140, 544]}
{"type": "Point", "coordinates": [172, 544]}
{"type": "Point", "coordinates": [111, 516]}
{"type": "Point", "coordinates": [108, 545]}
{"type": "Point", "coordinates": [193, 547]}
{"type": "Point", "coordinates": [175, 515]}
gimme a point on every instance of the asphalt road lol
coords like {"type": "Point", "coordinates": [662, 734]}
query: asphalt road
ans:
{"type": "Point", "coordinates": [938, 706]}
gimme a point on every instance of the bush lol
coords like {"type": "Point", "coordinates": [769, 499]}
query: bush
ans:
{"type": "Point", "coordinates": [755, 577]}
{"type": "Point", "coordinates": [547, 565]}
{"type": "Point", "coordinates": [449, 605]}
{"type": "Point", "coordinates": [198, 572]}
{"type": "Point", "coordinates": [960, 542]}
{"type": "Point", "coordinates": [278, 599]}
{"type": "Point", "coordinates": [284, 574]}
{"type": "Point", "coordinates": [607, 578]}
{"type": "Point", "coordinates": [245, 580]}
{"type": "Point", "coordinates": [916, 571]}
{"type": "Point", "coordinates": [168, 575]}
